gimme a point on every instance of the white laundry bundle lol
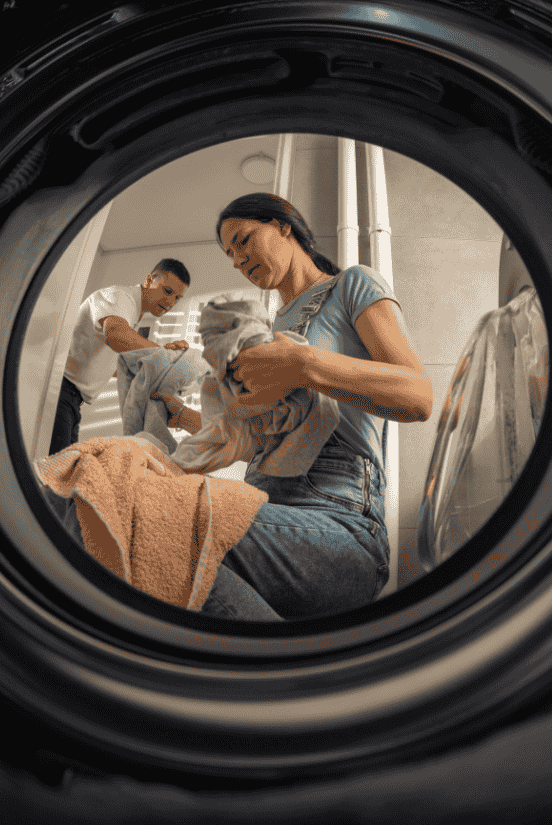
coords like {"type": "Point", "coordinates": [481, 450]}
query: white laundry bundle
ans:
{"type": "Point", "coordinates": [290, 432]}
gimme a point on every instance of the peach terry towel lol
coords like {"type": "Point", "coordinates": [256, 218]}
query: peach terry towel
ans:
{"type": "Point", "coordinates": [162, 530]}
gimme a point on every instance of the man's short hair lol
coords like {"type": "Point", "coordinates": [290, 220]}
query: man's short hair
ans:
{"type": "Point", "coordinates": [174, 266]}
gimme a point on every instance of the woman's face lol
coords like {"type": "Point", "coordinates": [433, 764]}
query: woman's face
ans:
{"type": "Point", "coordinates": [261, 251]}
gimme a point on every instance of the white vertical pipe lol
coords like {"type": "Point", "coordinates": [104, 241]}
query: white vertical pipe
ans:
{"type": "Point", "coordinates": [380, 259]}
{"type": "Point", "coordinates": [347, 226]}
{"type": "Point", "coordinates": [285, 157]}
{"type": "Point", "coordinates": [283, 179]}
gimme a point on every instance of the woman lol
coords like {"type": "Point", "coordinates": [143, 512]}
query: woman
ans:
{"type": "Point", "coordinates": [319, 546]}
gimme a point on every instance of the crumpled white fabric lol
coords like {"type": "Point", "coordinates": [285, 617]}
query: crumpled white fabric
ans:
{"type": "Point", "coordinates": [291, 432]}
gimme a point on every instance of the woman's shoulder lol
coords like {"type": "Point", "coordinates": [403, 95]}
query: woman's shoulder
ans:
{"type": "Point", "coordinates": [360, 271]}
{"type": "Point", "coordinates": [362, 277]}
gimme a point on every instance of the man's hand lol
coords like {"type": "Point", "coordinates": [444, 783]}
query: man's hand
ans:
{"type": "Point", "coordinates": [173, 405]}
{"type": "Point", "coordinates": [270, 372]}
{"type": "Point", "coordinates": [177, 345]}
{"type": "Point", "coordinates": [183, 418]}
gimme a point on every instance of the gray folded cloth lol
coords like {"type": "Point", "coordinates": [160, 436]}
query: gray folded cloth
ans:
{"type": "Point", "coordinates": [291, 432]}
{"type": "Point", "coordinates": [142, 372]}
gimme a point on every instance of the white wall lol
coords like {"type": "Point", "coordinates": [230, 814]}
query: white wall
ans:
{"type": "Point", "coordinates": [446, 252]}
{"type": "Point", "coordinates": [513, 274]}
{"type": "Point", "coordinates": [48, 336]}
{"type": "Point", "coordinates": [210, 269]}
{"type": "Point", "coordinates": [96, 273]}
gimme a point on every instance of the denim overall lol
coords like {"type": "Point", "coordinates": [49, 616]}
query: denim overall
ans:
{"type": "Point", "coordinates": [319, 546]}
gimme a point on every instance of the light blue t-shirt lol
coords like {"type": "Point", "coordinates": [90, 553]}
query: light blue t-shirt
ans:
{"type": "Point", "coordinates": [333, 330]}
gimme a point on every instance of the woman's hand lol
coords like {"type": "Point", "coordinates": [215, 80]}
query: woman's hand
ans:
{"type": "Point", "coordinates": [270, 372]}
{"type": "Point", "coordinates": [173, 405]}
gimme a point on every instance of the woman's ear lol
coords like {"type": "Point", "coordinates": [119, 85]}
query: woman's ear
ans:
{"type": "Point", "coordinates": [286, 229]}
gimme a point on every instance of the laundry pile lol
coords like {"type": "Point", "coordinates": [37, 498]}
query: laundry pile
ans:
{"type": "Point", "coordinates": [158, 521]}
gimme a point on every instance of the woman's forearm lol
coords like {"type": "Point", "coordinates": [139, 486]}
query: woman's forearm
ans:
{"type": "Point", "coordinates": [386, 390]}
{"type": "Point", "coordinates": [189, 420]}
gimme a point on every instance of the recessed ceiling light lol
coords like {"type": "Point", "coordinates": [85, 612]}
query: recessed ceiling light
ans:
{"type": "Point", "coordinates": [258, 168]}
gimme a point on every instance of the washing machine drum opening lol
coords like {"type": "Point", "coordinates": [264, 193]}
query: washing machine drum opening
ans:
{"type": "Point", "coordinates": [110, 679]}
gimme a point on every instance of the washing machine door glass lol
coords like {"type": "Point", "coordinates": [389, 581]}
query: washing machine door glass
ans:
{"type": "Point", "coordinates": [487, 428]}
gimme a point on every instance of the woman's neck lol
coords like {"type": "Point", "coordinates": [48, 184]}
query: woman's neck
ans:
{"type": "Point", "coordinates": [299, 282]}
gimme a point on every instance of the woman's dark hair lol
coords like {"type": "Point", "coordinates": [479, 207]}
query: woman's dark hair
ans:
{"type": "Point", "coordinates": [264, 207]}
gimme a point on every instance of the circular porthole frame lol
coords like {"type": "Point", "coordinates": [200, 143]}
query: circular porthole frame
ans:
{"type": "Point", "coordinates": [442, 660]}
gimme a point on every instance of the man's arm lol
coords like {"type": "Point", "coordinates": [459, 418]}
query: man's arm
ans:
{"type": "Point", "coordinates": [120, 336]}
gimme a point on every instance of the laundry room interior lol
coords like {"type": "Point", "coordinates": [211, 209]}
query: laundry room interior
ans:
{"type": "Point", "coordinates": [448, 262]}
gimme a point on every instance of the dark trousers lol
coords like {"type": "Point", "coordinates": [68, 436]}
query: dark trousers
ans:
{"type": "Point", "coordinates": [68, 416]}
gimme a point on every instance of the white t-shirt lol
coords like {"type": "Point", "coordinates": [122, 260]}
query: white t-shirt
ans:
{"type": "Point", "coordinates": [91, 363]}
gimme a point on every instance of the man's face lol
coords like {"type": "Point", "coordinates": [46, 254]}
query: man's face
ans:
{"type": "Point", "coordinates": [162, 297]}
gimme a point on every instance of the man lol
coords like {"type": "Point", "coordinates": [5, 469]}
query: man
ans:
{"type": "Point", "coordinates": [107, 324]}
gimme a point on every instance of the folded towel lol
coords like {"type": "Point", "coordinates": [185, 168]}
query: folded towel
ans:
{"type": "Point", "coordinates": [290, 433]}
{"type": "Point", "coordinates": [142, 372]}
{"type": "Point", "coordinates": [160, 529]}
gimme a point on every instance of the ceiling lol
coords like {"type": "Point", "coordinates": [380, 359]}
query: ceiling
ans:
{"type": "Point", "coordinates": [180, 202]}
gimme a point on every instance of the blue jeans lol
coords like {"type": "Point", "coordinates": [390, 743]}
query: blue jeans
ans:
{"type": "Point", "coordinates": [317, 548]}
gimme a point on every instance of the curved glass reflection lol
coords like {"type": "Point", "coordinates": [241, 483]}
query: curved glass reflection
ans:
{"type": "Point", "coordinates": [488, 426]}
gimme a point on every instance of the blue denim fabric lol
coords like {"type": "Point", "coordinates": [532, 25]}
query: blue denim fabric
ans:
{"type": "Point", "coordinates": [66, 510]}
{"type": "Point", "coordinates": [318, 547]}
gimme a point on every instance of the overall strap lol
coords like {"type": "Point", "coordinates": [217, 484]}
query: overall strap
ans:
{"type": "Point", "coordinates": [317, 301]}
{"type": "Point", "coordinates": [308, 312]}
{"type": "Point", "coordinates": [384, 444]}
